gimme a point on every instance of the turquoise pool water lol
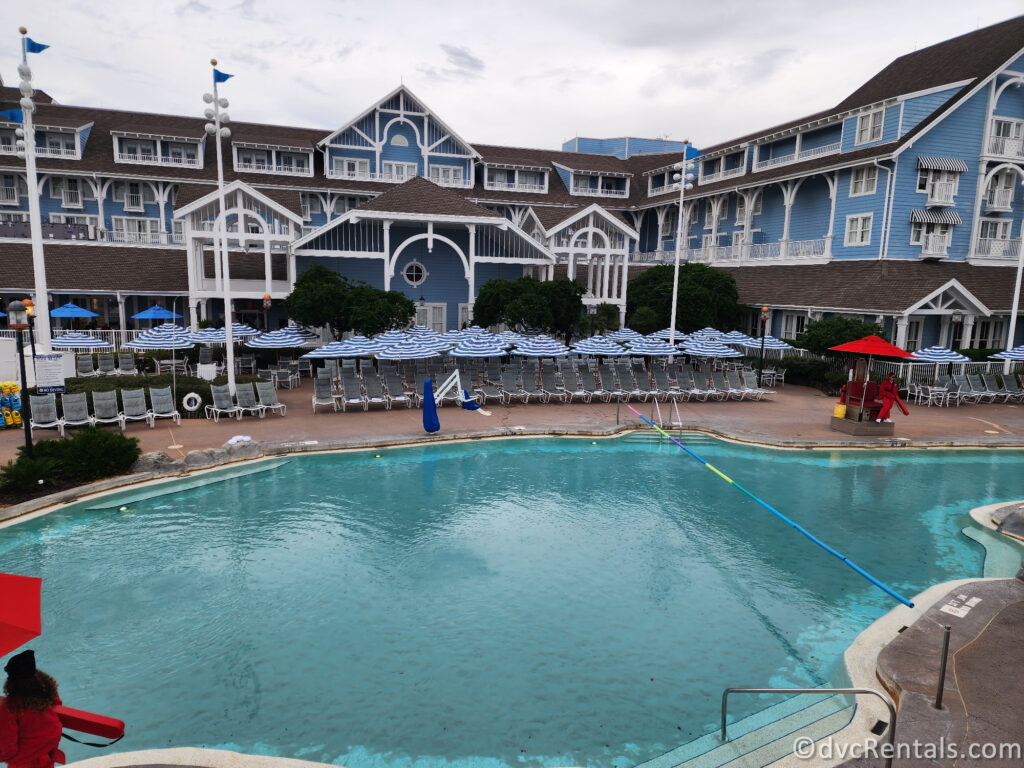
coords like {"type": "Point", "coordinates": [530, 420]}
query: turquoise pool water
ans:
{"type": "Point", "coordinates": [519, 602]}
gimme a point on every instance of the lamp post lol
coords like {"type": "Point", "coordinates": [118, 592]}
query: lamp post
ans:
{"type": "Point", "coordinates": [684, 176]}
{"type": "Point", "coordinates": [17, 319]}
{"type": "Point", "coordinates": [760, 367]}
{"type": "Point", "coordinates": [216, 130]}
{"type": "Point", "coordinates": [1011, 332]}
{"type": "Point", "coordinates": [25, 145]}
{"type": "Point", "coordinates": [956, 319]}
{"type": "Point", "coordinates": [30, 312]}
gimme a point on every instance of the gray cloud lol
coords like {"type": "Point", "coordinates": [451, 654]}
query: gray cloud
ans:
{"type": "Point", "coordinates": [462, 65]}
{"type": "Point", "coordinates": [192, 6]}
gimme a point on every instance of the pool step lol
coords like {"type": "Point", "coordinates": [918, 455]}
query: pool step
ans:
{"type": "Point", "coordinates": [763, 737]}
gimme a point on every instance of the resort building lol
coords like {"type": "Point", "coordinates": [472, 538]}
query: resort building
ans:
{"type": "Point", "coordinates": [902, 205]}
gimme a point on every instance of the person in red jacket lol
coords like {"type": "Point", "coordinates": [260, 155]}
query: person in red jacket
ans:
{"type": "Point", "coordinates": [29, 728]}
{"type": "Point", "coordinates": [889, 393]}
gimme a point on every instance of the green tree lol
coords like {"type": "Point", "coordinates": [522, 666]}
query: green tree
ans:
{"type": "Point", "coordinates": [707, 296]}
{"type": "Point", "coordinates": [319, 298]}
{"type": "Point", "coordinates": [492, 302]}
{"type": "Point", "coordinates": [820, 335]}
{"type": "Point", "coordinates": [564, 303]}
{"type": "Point", "coordinates": [553, 306]}
{"type": "Point", "coordinates": [370, 311]}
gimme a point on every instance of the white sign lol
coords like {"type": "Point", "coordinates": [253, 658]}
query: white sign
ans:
{"type": "Point", "coordinates": [50, 374]}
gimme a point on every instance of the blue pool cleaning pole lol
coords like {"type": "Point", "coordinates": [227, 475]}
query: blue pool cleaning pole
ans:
{"type": "Point", "coordinates": [888, 590]}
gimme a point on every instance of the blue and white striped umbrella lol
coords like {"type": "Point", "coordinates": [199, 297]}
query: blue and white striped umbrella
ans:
{"type": "Point", "coordinates": [1017, 353]}
{"type": "Point", "coordinates": [599, 345]}
{"type": "Point", "coordinates": [243, 330]}
{"type": "Point", "coordinates": [940, 355]}
{"type": "Point", "coordinates": [408, 350]}
{"type": "Point", "coordinates": [281, 339]}
{"type": "Point", "coordinates": [648, 347]}
{"type": "Point", "coordinates": [735, 337]}
{"type": "Point", "coordinates": [298, 330]}
{"type": "Point", "coordinates": [78, 341]}
{"type": "Point", "coordinates": [418, 329]}
{"type": "Point", "coordinates": [537, 347]}
{"type": "Point", "coordinates": [512, 337]}
{"type": "Point", "coordinates": [392, 337]}
{"type": "Point", "coordinates": [472, 347]}
{"type": "Point", "coordinates": [209, 336]}
{"type": "Point", "coordinates": [770, 342]}
{"type": "Point", "coordinates": [666, 333]}
{"type": "Point", "coordinates": [154, 339]}
{"type": "Point", "coordinates": [623, 334]}
{"type": "Point", "coordinates": [709, 332]}
{"type": "Point", "coordinates": [709, 348]}
{"type": "Point", "coordinates": [330, 350]}
{"type": "Point", "coordinates": [476, 329]}
{"type": "Point", "coordinates": [167, 328]}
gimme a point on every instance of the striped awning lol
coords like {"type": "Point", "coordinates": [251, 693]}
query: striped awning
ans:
{"type": "Point", "coordinates": [935, 217]}
{"type": "Point", "coordinates": [942, 164]}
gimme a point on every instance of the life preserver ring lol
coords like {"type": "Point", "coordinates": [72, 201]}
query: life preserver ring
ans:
{"type": "Point", "coordinates": [192, 402]}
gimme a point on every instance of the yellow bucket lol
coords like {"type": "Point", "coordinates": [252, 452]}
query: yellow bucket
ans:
{"type": "Point", "coordinates": [839, 411]}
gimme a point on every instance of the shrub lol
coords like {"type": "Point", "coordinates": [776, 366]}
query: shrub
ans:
{"type": "Point", "coordinates": [91, 454]}
{"type": "Point", "coordinates": [980, 355]}
{"type": "Point", "coordinates": [820, 335]}
{"type": "Point", "coordinates": [825, 375]}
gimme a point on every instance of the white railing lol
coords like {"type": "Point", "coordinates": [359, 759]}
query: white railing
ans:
{"type": "Point", "coordinates": [457, 183]}
{"type": "Point", "coordinates": [1000, 199]}
{"type": "Point", "coordinates": [292, 170]}
{"type": "Point", "coordinates": [588, 192]}
{"type": "Point", "coordinates": [8, 149]}
{"type": "Point", "coordinates": [765, 252]}
{"type": "Point", "coordinates": [998, 249]}
{"type": "Point", "coordinates": [803, 154]}
{"type": "Point", "coordinates": [71, 198]}
{"type": "Point", "coordinates": [807, 249]}
{"type": "Point", "coordinates": [512, 186]}
{"type": "Point", "coordinates": [674, 187]}
{"type": "Point", "coordinates": [144, 159]}
{"type": "Point", "coordinates": [9, 196]}
{"type": "Point", "coordinates": [305, 211]}
{"type": "Point", "coordinates": [133, 202]}
{"type": "Point", "coordinates": [143, 238]}
{"type": "Point", "coordinates": [1006, 147]}
{"type": "Point", "coordinates": [340, 173]}
{"type": "Point", "coordinates": [42, 151]}
{"type": "Point", "coordinates": [756, 252]}
{"type": "Point", "coordinates": [655, 257]}
{"type": "Point", "coordinates": [707, 178]}
{"type": "Point", "coordinates": [940, 193]}
{"type": "Point", "coordinates": [934, 245]}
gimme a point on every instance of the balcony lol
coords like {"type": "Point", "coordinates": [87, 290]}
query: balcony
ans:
{"type": "Point", "coordinates": [70, 153]}
{"type": "Point", "coordinates": [816, 251]}
{"type": "Point", "coordinates": [992, 248]}
{"type": "Point", "coordinates": [1004, 146]}
{"type": "Point", "coordinates": [148, 159]}
{"type": "Point", "coordinates": [940, 193]}
{"type": "Point", "coordinates": [600, 192]}
{"type": "Point", "coordinates": [133, 202]}
{"type": "Point", "coordinates": [999, 200]}
{"type": "Point", "coordinates": [9, 196]}
{"type": "Point", "coordinates": [730, 173]}
{"type": "Point", "coordinates": [8, 148]}
{"type": "Point", "coordinates": [796, 157]}
{"type": "Point", "coordinates": [674, 187]}
{"type": "Point", "coordinates": [71, 198]}
{"type": "Point", "coordinates": [512, 186]}
{"type": "Point", "coordinates": [456, 183]}
{"type": "Point", "coordinates": [285, 170]}
{"type": "Point", "coordinates": [934, 246]}
{"type": "Point", "coordinates": [129, 237]}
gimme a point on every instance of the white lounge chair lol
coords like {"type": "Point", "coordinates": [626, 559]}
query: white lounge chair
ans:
{"type": "Point", "coordinates": [104, 409]}
{"type": "Point", "coordinates": [223, 404]}
{"type": "Point", "coordinates": [268, 397]}
{"type": "Point", "coordinates": [44, 414]}
{"type": "Point", "coordinates": [163, 404]}
{"type": "Point", "coordinates": [133, 402]}
{"type": "Point", "coordinates": [75, 411]}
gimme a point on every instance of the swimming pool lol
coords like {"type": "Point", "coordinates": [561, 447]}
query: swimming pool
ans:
{"type": "Point", "coordinates": [537, 602]}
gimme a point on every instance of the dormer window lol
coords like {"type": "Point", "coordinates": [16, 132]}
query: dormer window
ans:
{"type": "Point", "coordinates": [599, 185]}
{"type": "Point", "coordinates": [7, 142]}
{"type": "Point", "coordinates": [56, 144]}
{"type": "Point", "coordinates": [152, 149]}
{"type": "Point", "coordinates": [268, 158]}
{"type": "Point", "coordinates": [869, 127]}
{"type": "Point", "coordinates": [515, 179]}
{"type": "Point", "coordinates": [939, 178]}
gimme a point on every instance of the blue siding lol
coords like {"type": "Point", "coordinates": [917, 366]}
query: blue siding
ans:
{"type": "Point", "coordinates": [623, 146]}
{"type": "Point", "coordinates": [822, 137]}
{"type": "Point", "coordinates": [847, 206]}
{"type": "Point", "coordinates": [780, 148]}
{"type": "Point", "coordinates": [736, 160]}
{"type": "Point", "coordinates": [409, 154]}
{"type": "Point", "coordinates": [916, 109]}
{"type": "Point", "coordinates": [771, 219]}
{"type": "Point", "coordinates": [1011, 103]}
{"type": "Point", "coordinates": [369, 271]}
{"type": "Point", "coordinates": [890, 127]}
{"type": "Point", "coordinates": [565, 177]}
{"type": "Point", "coordinates": [958, 136]}
{"type": "Point", "coordinates": [83, 136]}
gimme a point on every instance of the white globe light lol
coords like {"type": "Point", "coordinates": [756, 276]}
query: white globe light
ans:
{"type": "Point", "coordinates": [676, 177]}
{"type": "Point", "coordinates": [25, 71]}
{"type": "Point", "coordinates": [27, 103]}
{"type": "Point", "coordinates": [20, 144]}
{"type": "Point", "coordinates": [211, 128]}
{"type": "Point", "coordinates": [208, 98]}
{"type": "Point", "coordinates": [20, 155]}
{"type": "Point", "coordinates": [224, 104]}
{"type": "Point", "coordinates": [19, 132]}
{"type": "Point", "coordinates": [689, 177]}
{"type": "Point", "coordinates": [25, 86]}
{"type": "Point", "coordinates": [208, 114]}
{"type": "Point", "coordinates": [689, 186]}
{"type": "Point", "coordinates": [225, 118]}
{"type": "Point", "coordinates": [225, 132]}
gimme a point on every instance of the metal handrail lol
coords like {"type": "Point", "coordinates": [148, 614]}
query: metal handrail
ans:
{"type": "Point", "coordinates": [829, 691]}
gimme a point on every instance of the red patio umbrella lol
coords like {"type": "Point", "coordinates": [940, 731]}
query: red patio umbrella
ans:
{"type": "Point", "coordinates": [19, 610]}
{"type": "Point", "coordinates": [872, 345]}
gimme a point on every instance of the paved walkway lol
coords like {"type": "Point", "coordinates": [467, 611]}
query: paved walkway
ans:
{"type": "Point", "coordinates": [797, 416]}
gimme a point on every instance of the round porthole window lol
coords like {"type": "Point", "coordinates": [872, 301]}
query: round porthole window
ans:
{"type": "Point", "coordinates": [414, 273]}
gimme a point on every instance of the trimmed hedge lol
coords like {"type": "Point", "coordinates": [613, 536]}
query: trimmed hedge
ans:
{"type": "Point", "coordinates": [91, 454]}
{"type": "Point", "coordinates": [182, 384]}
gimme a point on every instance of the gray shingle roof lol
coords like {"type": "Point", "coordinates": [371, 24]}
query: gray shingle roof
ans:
{"type": "Point", "coordinates": [418, 195]}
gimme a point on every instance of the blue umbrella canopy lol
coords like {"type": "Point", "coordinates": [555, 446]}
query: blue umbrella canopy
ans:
{"type": "Point", "coordinates": [154, 339]}
{"type": "Point", "coordinates": [710, 332]}
{"type": "Point", "coordinates": [421, 329]}
{"type": "Point", "coordinates": [708, 348]}
{"type": "Point", "coordinates": [735, 337]}
{"type": "Point", "coordinates": [666, 333]}
{"type": "Point", "coordinates": [770, 342]}
{"type": "Point", "coordinates": [219, 335]}
{"type": "Point", "coordinates": [72, 310]}
{"type": "Point", "coordinates": [392, 337]}
{"type": "Point", "coordinates": [541, 347]}
{"type": "Point", "coordinates": [156, 312]}
{"type": "Point", "coordinates": [599, 345]}
{"type": "Point", "coordinates": [409, 350]}
{"type": "Point", "coordinates": [281, 339]}
{"type": "Point", "coordinates": [357, 346]}
{"type": "Point", "coordinates": [648, 347]}
{"type": "Point", "coordinates": [78, 341]}
{"type": "Point", "coordinates": [1017, 353]}
{"type": "Point", "coordinates": [940, 355]}
{"type": "Point", "coordinates": [623, 334]}
{"type": "Point", "coordinates": [472, 347]}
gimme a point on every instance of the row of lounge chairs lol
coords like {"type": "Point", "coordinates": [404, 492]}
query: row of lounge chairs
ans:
{"type": "Point", "coordinates": [245, 401]}
{"type": "Point", "coordinates": [75, 409]}
{"type": "Point", "coordinates": [968, 389]}
{"type": "Point", "coordinates": [105, 365]}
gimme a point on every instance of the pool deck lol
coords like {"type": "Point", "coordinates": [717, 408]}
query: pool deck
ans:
{"type": "Point", "coordinates": [984, 694]}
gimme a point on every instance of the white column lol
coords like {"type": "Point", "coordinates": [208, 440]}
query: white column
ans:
{"type": "Point", "coordinates": [120, 312]}
{"type": "Point", "coordinates": [966, 332]}
{"type": "Point", "coordinates": [901, 331]}
{"type": "Point", "coordinates": [387, 255]}
{"type": "Point", "coordinates": [605, 289]}
{"type": "Point", "coordinates": [472, 263]}
{"type": "Point", "coordinates": [266, 265]}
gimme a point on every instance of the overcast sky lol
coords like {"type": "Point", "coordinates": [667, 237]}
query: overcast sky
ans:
{"type": "Point", "coordinates": [521, 73]}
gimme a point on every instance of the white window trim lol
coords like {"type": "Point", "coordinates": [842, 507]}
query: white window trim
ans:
{"type": "Point", "coordinates": [874, 181]}
{"type": "Point", "coordinates": [419, 264]}
{"type": "Point", "coordinates": [936, 177]}
{"type": "Point", "coordinates": [61, 218]}
{"type": "Point", "coordinates": [1000, 224]}
{"type": "Point", "coordinates": [920, 228]}
{"type": "Point", "coordinates": [869, 119]}
{"type": "Point", "coordinates": [411, 170]}
{"type": "Point", "coordinates": [757, 210]}
{"type": "Point", "coordinates": [846, 236]}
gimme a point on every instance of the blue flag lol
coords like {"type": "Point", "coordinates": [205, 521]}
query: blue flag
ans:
{"type": "Point", "coordinates": [13, 115]}
{"type": "Point", "coordinates": [31, 46]}
{"type": "Point", "coordinates": [220, 77]}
